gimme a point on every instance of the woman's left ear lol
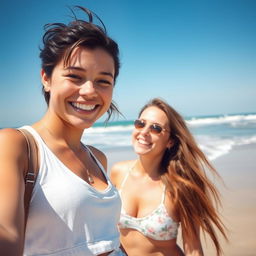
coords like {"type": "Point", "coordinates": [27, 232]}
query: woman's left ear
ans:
{"type": "Point", "coordinates": [45, 81]}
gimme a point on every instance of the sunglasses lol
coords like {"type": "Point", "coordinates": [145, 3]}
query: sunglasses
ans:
{"type": "Point", "coordinates": [153, 128]}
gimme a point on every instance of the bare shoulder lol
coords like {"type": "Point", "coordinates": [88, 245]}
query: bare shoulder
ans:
{"type": "Point", "coordinates": [122, 165]}
{"type": "Point", "coordinates": [9, 132]}
{"type": "Point", "coordinates": [12, 140]}
{"type": "Point", "coordinates": [119, 170]}
{"type": "Point", "coordinates": [13, 150]}
{"type": "Point", "coordinates": [13, 163]}
{"type": "Point", "coordinates": [100, 156]}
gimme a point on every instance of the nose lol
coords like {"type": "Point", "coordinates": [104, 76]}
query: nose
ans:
{"type": "Point", "coordinates": [87, 88]}
{"type": "Point", "coordinates": [145, 130]}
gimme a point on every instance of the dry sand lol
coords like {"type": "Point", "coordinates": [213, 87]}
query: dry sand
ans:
{"type": "Point", "coordinates": [238, 171]}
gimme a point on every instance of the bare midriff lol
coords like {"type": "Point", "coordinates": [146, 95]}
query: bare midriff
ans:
{"type": "Point", "coordinates": [136, 243]}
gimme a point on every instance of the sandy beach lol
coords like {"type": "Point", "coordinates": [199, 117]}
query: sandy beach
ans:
{"type": "Point", "coordinates": [239, 200]}
{"type": "Point", "coordinates": [238, 171]}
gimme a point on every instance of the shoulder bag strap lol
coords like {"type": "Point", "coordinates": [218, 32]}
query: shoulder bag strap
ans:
{"type": "Point", "coordinates": [32, 171]}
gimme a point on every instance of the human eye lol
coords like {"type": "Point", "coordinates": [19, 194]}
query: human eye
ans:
{"type": "Point", "coordinates": [156, 128]}
{"type": "Point", "coordinates": [74, 76]}
{"type": "Point", "coordinates": [139, 124]}
{"type": "Point", "coordinates": [104, 82]}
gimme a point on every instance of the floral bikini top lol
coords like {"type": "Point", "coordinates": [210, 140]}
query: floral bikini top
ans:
{"type": "Point", "coordinates": [157, 225]}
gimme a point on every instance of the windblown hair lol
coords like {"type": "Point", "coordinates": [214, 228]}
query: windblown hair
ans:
{"type": "Point", "coordinates": [184, 173]}
{"type": "Point", "coordinates": [60, 40]}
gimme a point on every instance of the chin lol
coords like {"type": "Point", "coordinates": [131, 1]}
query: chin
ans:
{"type": "Point", "coordinates": [140, 151]}
{"type": "Point", "coordinates": [82, 124]}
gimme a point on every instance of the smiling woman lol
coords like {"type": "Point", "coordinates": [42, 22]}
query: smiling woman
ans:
{"type": "Point", "coordinates": [74, 207]}
{"type": "Point", "coordinates": [81, 91]}
{"type": "Point", "coordinates": [166, 187]}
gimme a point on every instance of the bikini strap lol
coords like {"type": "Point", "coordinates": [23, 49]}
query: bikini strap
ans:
{"type": "Point", "coordinates": [163, 195]}
{"type": "Point", "coordinates": [125, 178]}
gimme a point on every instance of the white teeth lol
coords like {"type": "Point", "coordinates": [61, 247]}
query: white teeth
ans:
{"type": "Point", "coordinates": [83, 106]}
{"type": "Point", "coordinates": [143, 142]}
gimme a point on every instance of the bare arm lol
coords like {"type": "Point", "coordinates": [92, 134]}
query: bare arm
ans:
{"type": "Point", "coordinates": [13, 161]}
{"type": "Point", "coordinates": [192, 244]}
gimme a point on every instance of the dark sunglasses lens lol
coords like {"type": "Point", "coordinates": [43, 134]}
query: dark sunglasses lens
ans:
{"type": "Point", "coordinates": [156, 129]}
{"type": "Point", "coordinates": [139, 124]}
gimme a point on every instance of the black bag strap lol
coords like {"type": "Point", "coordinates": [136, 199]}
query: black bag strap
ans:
{"type": "Point", "coordinates": [32, 171]}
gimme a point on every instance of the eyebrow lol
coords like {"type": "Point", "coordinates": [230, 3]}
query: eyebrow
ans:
{"type": "Point", "coordinates": [82, 69]}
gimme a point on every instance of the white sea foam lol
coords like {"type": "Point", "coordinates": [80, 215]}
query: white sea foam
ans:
{"type": "Point", "coordinates": [231, 119]}
{"type": "Point", "coordinates": [246, 141]}
{"type": "Point", "coordinates": [215, 147]}
{"type": "Point", "coordinates": [105, 140]}
{"type": "Point", "coordinates": [108, 129]}
{"type": "Point", "coordinates": [216, 136]}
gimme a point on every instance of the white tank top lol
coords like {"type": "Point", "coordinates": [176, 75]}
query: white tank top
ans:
{"type": "Point", "coordinates": [67, 216]}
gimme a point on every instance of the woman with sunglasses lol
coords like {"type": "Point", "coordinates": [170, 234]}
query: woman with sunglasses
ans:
{"type": "Point", "coordinates": [166, 187]}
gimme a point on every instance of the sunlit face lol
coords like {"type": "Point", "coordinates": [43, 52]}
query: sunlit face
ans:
{"type": "Point", "coordinates": [81, 92]}
{"type": "Point", "coordinates": [147, 142]}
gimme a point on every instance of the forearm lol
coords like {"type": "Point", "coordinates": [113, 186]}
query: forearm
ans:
{"type": "Point", "coordinates": [192, 244]}
{"type": "Point", "coordinates": [11, 231]}
{"type": "Point", "coordinates": [194, 252]}
{"type": "Point", "coordinates": [10, 243]}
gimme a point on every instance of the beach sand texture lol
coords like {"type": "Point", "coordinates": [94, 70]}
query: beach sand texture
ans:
{"type": "Point", "coordinates": [238, 171]}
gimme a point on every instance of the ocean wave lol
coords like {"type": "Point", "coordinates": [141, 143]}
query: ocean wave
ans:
{"type": "Point", "coordinates": [234, 120]}
{"type": "Point", "coordinates": [215, 147]}
{"type": "Point", "coordinates": [110, 129]}
{"type": "Point", "coordinates": [212, 146]}
{"type": "Point", "coordinates": [103, 141]}
{"type": "Point", "coordinates": [216, 135]}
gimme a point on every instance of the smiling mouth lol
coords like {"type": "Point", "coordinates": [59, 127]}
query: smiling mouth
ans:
{"type": "Point", "coordinates": [83, 107]}
{"type": "Point", "coordinates": [143, 142]}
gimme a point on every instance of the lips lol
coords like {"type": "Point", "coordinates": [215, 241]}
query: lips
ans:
{"type": "Point", "coordinates": [83, 107]}
{"type": "Point", "coordinates": [143, 142]}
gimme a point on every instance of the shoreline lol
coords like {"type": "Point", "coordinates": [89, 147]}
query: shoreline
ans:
{"type": "Point", "coordinates": [238, 196]}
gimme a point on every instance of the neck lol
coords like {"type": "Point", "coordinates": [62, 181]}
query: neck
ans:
{"type": "Point", "coordinates": [59, 132]}
{"type": "Point", "coordinates": [147, 167]}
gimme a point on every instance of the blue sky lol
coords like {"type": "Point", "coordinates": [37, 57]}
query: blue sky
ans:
{"type": "Point", "coordinates": [200, 56]}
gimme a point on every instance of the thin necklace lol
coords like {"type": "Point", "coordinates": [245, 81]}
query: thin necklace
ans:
{"type": "Point", "coordinates": [90, 178]}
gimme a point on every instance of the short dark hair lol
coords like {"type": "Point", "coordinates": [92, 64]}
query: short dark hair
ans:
{"type": "Point", "coordinates": [60, 40]}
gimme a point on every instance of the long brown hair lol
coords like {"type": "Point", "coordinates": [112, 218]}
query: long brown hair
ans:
{"type": "Point", "coordinates": [184, 168]}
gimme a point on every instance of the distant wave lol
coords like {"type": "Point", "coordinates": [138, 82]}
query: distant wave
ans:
{"type": "Point", "coordinates": [215, 147]}
{"type": "Point", "coordinates": [239, 120]}
{"type": "Point", "coordinates": [216, 135]}
{"type": "Point", "coordinates": [231, 119]}
{"type": "Point", "coordinates": [110, 128]}
{"type": "Point", "coordinates": [107, 140]}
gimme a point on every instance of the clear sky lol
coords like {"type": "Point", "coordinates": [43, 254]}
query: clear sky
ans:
{"type": "Point", "coordinates": [200, 56]}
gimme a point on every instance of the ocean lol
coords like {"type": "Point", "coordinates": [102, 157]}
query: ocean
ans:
{"type": "Point", "coordinates": [216, 135]}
